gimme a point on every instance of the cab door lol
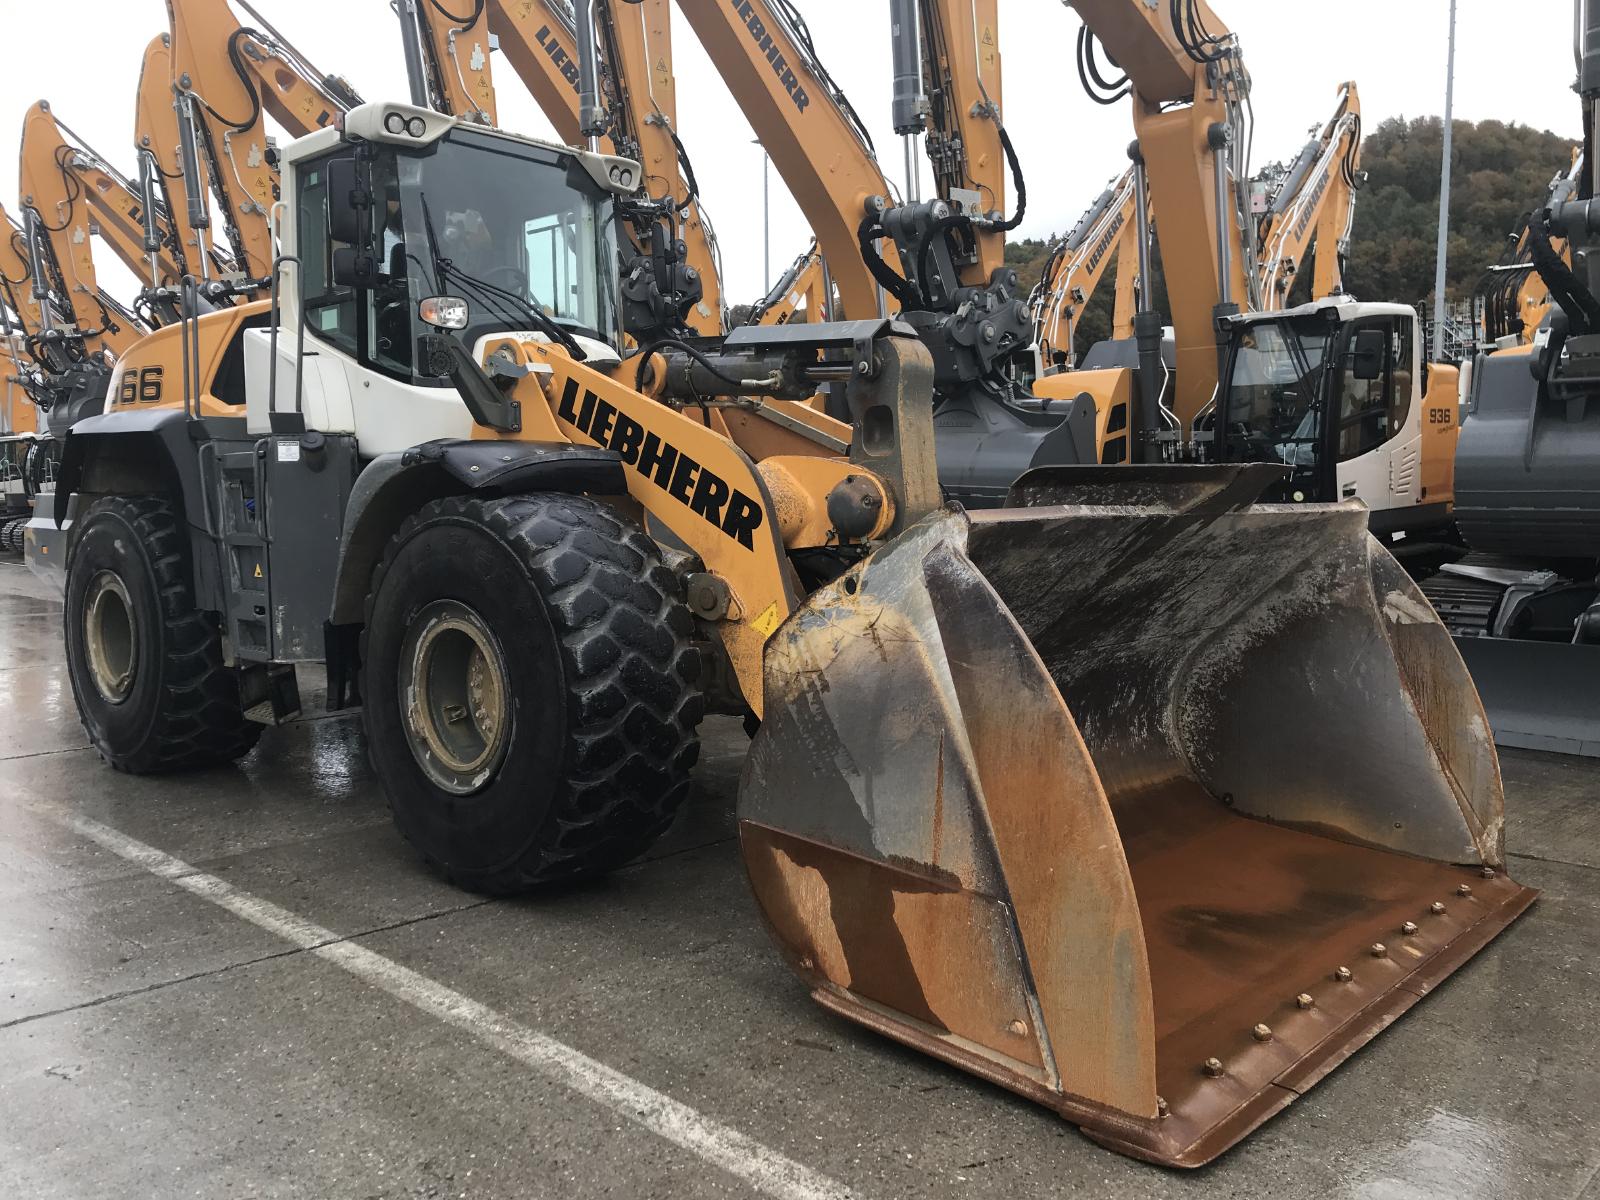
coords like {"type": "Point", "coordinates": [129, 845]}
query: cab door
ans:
{"type": "Point", "coordinates": [1374, 442]}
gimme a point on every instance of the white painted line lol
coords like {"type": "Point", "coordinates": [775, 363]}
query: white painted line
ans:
{"type": "Point", "coordinates": [764, 1169]}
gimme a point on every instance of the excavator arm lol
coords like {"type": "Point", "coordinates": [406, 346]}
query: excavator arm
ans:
{"type": "Point", "coordinates": [765, 55]}
{"type": "Point", "coordinates": [157, 139]}
{"type": "Point", "coordinates": [227, 78]}
{"type": "Point", "coordinates": [65, 176]}
{"type": "Point", "coordinates": [1190, 113]}
{"type": "Point", "coordinates": [56, 231]}
{"type": "Point", "coordinates": [1106, 233]}
{"type": "Point", "coordinates": [452, 40]}
{"type": "Point", "coordinates": [1314, 202]}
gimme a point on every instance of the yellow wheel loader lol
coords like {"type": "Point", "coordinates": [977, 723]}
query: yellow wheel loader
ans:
{"type": "Point", "coordinates": [1135, 796]}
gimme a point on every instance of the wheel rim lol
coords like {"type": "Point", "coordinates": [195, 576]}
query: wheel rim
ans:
{"type": "Point", "coordinates": [455, 697]}
{"type": "Point", "coordinates": [110, 636]}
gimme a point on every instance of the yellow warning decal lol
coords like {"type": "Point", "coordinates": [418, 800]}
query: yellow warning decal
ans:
{"type": "Point", "coordinates": [767, 621]}
{"type": "Point", "coordinates": [258, 570]}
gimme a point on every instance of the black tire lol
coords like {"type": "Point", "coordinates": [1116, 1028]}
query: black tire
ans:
{"type": "Point", "coordinates": [179, 705]}
{"type": "Point", "coordinates": [562, 607]}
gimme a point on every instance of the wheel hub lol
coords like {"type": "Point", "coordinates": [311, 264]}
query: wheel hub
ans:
{"type": "Point", "coordinates": [455, 697]}
{"type": "Point", "coordinates": [110, 637]}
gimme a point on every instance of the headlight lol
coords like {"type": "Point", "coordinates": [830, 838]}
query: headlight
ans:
{"type": "Point", "coordinates": [444, 312]}
{"type": "Point", "coordinates": [394, 123]}
{"type": "Point", "coordinates": [416, 127]}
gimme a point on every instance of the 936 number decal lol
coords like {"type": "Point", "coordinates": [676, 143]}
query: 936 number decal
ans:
{"type": "Point", "coordinates": [1441, 416]}
{"type": "Point", "coordinates": [140, 387]}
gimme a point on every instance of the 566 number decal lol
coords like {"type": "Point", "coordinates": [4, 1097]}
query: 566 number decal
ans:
{"type": "Point", "coordinates": [140, 387]}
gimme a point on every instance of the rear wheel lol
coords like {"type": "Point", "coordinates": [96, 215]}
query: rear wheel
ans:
{"type": "Point", "coordinates": [146, 666]}
{"type": "Point", "coordinates": [530, 688]}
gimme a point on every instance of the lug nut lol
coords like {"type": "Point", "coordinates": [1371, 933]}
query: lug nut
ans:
{"type": "Point", "coordinates": [1464, 890]}
{"type": "Point", "coordinates": [1343, 975]}
{"type": "Point", "coordinates": [1163, 1109]}
{"type": "Point", "coordinates": [1213, 1067]}
{"type": "Point", "coordinates": [1379, 950]}
{"type": "Point", "coordinates": [1437, 908]}
{"type": "Point", "coordinates": [1018, 1027]}
{"type": "Point", "coordinates": [1408, 928]}
{"type": "Point", "coordinates": [1262, 1033]}
{"type": "Point", "coordinates": [1487, 872]}
{"type": "Point", "coordinates": [1304, 1000]}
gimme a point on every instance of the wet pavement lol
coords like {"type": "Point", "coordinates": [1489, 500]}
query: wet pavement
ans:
{"type": "Point", "coordinates": [155, 1043]}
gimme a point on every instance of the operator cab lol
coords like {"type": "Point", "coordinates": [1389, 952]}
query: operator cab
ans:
{"type": "Point", "coordinates": [515, 229]}
{"type": "Point", "coordinates": [1325, 389]}
{"type": "Point", "coordinates": [401, 206]}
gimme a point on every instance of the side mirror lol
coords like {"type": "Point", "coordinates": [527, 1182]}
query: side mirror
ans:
{"type": "Point", "coordinates": [1367, 353]}
{"type": "Point", "coordinates": [349, 203]}
{"type": "Point", "coordinates": [355, 268]}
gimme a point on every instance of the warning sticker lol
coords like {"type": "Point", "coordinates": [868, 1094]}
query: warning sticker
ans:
{"type": "Point", "coordinates": [288, 451]}
{"type": "Point", "coordinates": [767, 621]}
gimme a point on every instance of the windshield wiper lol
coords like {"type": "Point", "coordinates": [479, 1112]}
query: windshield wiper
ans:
{"type": "Point", "coordinates": [496, 298]}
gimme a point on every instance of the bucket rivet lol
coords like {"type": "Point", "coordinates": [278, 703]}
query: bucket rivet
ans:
{"type": "Point", "coordinates": [1487, 872]}
{"type": "Point", "coordinates": [806, 963]}
{"type": "Point", "coordinates": [1304, 1000]}
{"type": "Point", "coordinates": [1343, 975]}
{"type": "Point", "coordinates": [1379, 950]}
{"type": "Point", "coordinates": [1163, 1109]}
{"type": "Point", "coordinates": [1213, 1067]}
{"type": "Point", "coordinates": [1437, 908]}
{"type": "Point", "coordinates": [1262, 1033]}
{"type": "Point", "coordinates": [1018, 1027]}
{"type": "Point", "coordinates": [1464, 890]}
{"type": "Point", "coordinates": [1409, 927]}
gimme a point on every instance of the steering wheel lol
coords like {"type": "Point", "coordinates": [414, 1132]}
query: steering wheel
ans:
{"type": "Point", "coordinates": [509, 277]}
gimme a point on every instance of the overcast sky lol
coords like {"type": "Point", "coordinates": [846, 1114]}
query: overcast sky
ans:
{"type": "Point", "coordinates": [1513, 62]}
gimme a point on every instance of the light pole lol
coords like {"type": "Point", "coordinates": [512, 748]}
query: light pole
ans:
{"type": "Point", "coordinates": [1444, 191]}
{"type": "Point", "coordinates": [766, 218]}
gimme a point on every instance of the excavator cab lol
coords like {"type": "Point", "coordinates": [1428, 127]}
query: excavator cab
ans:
{"type": "Point", "coordinates": [1332, 391]}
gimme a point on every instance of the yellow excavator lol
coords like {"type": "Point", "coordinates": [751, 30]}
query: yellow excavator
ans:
{"type": "Point", "coordinates": [1000, 754]}
{"type": "Point", "coordinates": [1338, 392]}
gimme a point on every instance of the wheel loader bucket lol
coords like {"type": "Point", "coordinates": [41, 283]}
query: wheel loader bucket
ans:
{"type": "Point", "coordinates": [1136, 798]}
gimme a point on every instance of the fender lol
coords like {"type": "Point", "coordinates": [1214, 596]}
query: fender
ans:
{"type": "Point", "coordinates": [133, 450]}
{"type": "Point", "coordinates": [393, 486]}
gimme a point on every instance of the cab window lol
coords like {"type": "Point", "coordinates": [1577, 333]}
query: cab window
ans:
{"type": "Point", "coordinates": [1365, 404]}
{"type": "Point", "coordinates": [330, 311]}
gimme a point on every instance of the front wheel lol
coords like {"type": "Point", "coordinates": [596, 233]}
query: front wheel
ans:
{"type": "Point", "coordinates": [147, 672]}
{"type": "Point", "coordinates": [531, 688]}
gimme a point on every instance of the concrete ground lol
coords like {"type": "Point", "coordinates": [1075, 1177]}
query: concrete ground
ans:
{"type": "Point", "coordinates": [177, 1019]}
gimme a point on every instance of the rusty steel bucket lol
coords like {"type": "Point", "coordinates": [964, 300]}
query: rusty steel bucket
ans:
{"type": "Point", "coordinates": [1137, 798]}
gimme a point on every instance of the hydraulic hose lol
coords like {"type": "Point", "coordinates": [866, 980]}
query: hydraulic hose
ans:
{"type": "Point", "coordinates": [1566, 289]}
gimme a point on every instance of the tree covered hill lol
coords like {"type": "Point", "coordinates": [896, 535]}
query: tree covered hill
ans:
{"type": "Point", "coordinates": [1500, 172]}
